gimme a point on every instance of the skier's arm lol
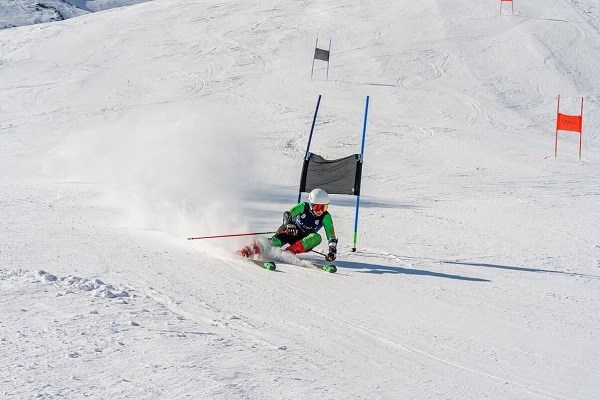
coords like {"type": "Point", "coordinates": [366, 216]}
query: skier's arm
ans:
{"type": "Point", "coordinates": [298, 209]}
{"type": "Point", "coordinates": [289, 216]}
{"type": "Point", "coordinates": [288, 219]}
{"type": "Point", "coordinates": [329, 230]}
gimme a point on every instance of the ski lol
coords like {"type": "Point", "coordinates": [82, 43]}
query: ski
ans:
{"type": "Point", "coordinates": [247, 254]}
{"type": "Point", "coordinates": [265, 264]}
{"type": "Point", "coordinates": [293, 259]}
{"type": "Point", "coordinates": [271, 253]}
{"type": "Point", "coordinates": [321, 267]}
{"type": "Point", "coordinates": [326, 267]}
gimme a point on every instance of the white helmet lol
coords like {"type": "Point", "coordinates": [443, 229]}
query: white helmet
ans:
{"type": "Point", "coordinates": [318, 196]}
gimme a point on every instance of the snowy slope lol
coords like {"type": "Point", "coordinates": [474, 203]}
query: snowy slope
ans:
{"type": "Point", "coordinates": [27, 12]}
{"type": "Point", "coordinates": [124, 132]}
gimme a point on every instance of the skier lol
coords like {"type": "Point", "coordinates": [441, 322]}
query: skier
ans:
{"type": "Point", "coordinates": [300, 226]}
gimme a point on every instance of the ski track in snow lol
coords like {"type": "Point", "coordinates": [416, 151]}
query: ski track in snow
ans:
{"type": "Point", "coordinates": [86, 323]}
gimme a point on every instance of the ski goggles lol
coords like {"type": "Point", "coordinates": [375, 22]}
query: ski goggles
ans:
{"type": "Point", "coordinates": [320, 207]}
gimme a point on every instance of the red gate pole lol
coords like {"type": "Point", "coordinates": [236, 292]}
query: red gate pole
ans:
{"type": "Point", "coordinates": [512, 5]}
{"type": "Point", "coordinates": [556, 137]}
{"type": "Point", "coordinates": [581, 129]}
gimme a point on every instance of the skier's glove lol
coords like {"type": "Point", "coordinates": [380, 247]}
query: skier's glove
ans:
{"type": "Point", "coordinates": [332, 250]}
{"type": "Point", "coordinates": [331, 256]}
{"type": "Point", "coordinates": [287, 218]}
{"type": "Point", "coordinates": [291, 230]}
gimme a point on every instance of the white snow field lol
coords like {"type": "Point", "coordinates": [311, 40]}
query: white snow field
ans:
{"type": "Point", "coordinates": [125, 131]}
{"type": "Point", "coordinates": [15, 13]}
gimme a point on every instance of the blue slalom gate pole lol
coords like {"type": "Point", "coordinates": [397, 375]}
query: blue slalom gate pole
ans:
{"type": "Point", "coordinates": [362, 150]}
{"type": "Point", "coordinates": [312, 129]}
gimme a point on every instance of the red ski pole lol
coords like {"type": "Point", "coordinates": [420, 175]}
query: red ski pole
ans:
{"type": "Point", "coordinates": [231, 235]}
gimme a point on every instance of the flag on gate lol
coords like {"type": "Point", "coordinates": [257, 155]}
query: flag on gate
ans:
{"type": "Point", "coordinates": [566, 122]}
{"type": "Point", "coordinates": [321, 54]}
{"type": "Point", "coordinates": [341, 176]}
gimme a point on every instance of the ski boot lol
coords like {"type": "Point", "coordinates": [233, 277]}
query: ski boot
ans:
{"type": "Point", "coordinates": [249, 251]}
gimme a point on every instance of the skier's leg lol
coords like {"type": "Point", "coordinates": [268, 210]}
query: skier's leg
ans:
{"type": "Point", "coordinates": [275, 241]}
{"type": "Point", "coordinates": [258, 246]}
{"type": "Point", "coordinates": [279, 239]}
{"type": "Point", "coordinates": [305, 244]}
{"type": "Point", "coordinates": [245, 251]}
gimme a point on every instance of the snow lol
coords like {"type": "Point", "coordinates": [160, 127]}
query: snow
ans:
{"type": "Point", "coordinates": [123, 132]}
{"type": "Point", "coordinates": [27, 12]}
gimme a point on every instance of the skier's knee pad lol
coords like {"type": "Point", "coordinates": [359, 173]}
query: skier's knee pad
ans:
{"type": "Point", "coordinates": [311, 241]}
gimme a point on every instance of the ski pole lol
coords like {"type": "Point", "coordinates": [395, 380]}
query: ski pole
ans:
{"type": "Point", "coordinates": [231, 235]}
{"type": "Point", "coordinates": [318, 252]}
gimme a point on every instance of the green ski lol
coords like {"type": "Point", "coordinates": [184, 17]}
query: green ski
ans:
{"type": "Point", "coordinates": [326, 267]}
{"type": "Point", "coordinates": [270, 265]}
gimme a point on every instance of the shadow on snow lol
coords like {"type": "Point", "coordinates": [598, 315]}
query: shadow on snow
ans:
{"type": "Point", "coordinates": [386, 269]}
{"type": "Point", "coordinates": [523, 269]}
